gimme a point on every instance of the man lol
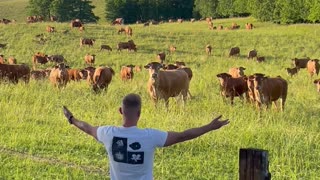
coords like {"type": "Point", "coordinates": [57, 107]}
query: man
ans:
{"type": "Point", "coordinates": [131, 150]}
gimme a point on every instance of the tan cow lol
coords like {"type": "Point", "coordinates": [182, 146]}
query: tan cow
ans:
{"type": "Point", "coordinates": [12, 60]}
{"type": "Point", "coordinates": [172, 48]}
{"type": "Point", "coordinates": [2, 60]}
{"type": "Point", "coordinates": [317, 83]}
{"type": "Point", "coordinates": [313, 67]}
{"type": "Point", "coordinates": [252, 54]}
{"type": "Point", "coordinates": [128, 30]}
{"type": "Point", "coordinates": [236, 72]}
{"type": "Point", "coordinates": [208, 49]}
{"type": "Point", "coordinates": [249, 26]}
{"type": "Point", "coordinates": [90, 59]}
{"type": "Point", "coordinates": [50, 29]}
{"type": "Point", "coordinates": [126, 72]}
{"type": "Point", "coordinates": [268, 90]}
{"type": "Point", "coordinates": [14, 72]}
{"type": "Point", "coordinates": [166, 84]}
{"type": "Point", "coordinates": [59, 76]}
{"type": "Point", "coordinates": [101, 78]}
{"type": "Point", "coordinates": [74, 74]}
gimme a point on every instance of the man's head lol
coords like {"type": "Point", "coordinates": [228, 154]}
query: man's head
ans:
{"type": "Point", "coordinates": [131, 107]}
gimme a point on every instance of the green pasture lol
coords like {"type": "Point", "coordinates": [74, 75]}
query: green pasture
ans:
{"type": "Point", "coordinates": [36, 141]}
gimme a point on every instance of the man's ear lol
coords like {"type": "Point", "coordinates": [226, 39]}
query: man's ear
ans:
{"type": "Point", "coordinates": [120, 110]}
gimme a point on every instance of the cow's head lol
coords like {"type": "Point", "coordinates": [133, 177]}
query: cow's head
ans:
{"type": "Point", "coordinates": [154, 68]}
{"type": "Point", "coordinates": [241, 70]}
{"type": "Point", "coordinates": [317, 83]}
{"type": "Point", "coordinates": [223, 77]}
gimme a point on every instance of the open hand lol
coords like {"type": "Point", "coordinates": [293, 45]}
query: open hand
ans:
{"type": "Point", "coordinates": [68, 114]}
{"type": "Point", "coordinates": [216, 123]}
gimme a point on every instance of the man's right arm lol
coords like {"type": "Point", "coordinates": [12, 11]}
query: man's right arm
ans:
{"type": "Point", "coordinates": [177, 137]}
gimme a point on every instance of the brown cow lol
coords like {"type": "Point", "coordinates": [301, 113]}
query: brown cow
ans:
{"type": "Point", "coordinates": [268, 90]}
{"type": "Point", "coordinates": [57, 58]}
{"type": "Point", "coordinates": [166, 84]}
{"type": "Point", "coordinates": [59, 76]}
{"type": "Point", "coordinates": [313, 67]}
{"type": "Point", "coordinates": [180, 63]}
{"type": "Point", "coordinates": [127, 45]}
{"type": "Point", "coordinates": [250, 84]}
{"type": "Point", "coordinates": [74, 74]}
{"type": "Point", "coordinates": [126, 72]}
{"type": "Point", "coordinates": [236, 72]}
{"type": "Point", "coordinates": [300, 63]}
{"type": "Point", "coordinates": [87, 74]}
{"type": "Point", "coordinates": [12, 60]}
{"type": "Point", "coordinates": [87, 41]}
{"type": "Point", "coordinates": [50, 29]}
{"type": "Point", "coordinates": [232, 87]}
{"type": "Point", "coordinates": [101, 78]}
{"type": "Point", "coordinates": [90, 59]}
{"type": "Point", "coordinates": [39, 58]}
{"type": "Point", "coordinates": [105, 47]}
{"type": "Point", "coordinates": [162, 57]}
{"type": "Point", "coordinates": [14, 72]}
{"type": "Point", "coordinates": [234, 51]}
{"type": "Point", "coordinates": [208, 49]}
{"type": "Point", "coordinates": [172, 48]}
{"type": "Point", "coordinates": [76, 23]}
{"type": "Point", "coordinates": [118, 21]}
{"type": "Point", "coordinates": [317, 83]}
{"type": "Point", "coordinates": [40, 74]}
{"type": "Point", "coordinates": [260, 59]}
{"type": "Point", "coordinates": [252, 54]}
{"type": "Point", "coordinates": [292, 71]}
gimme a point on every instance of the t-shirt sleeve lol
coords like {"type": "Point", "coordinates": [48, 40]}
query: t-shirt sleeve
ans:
{"type": "Point", "coordinates": [159, 137]}
{"type": "Point", "coordinates": [102, 132]}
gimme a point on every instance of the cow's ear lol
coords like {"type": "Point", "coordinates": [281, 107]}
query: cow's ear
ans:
{"type": "Point", "coordinates": [147, 66]}
{"type": "Point", "coordinates": [316, 81]}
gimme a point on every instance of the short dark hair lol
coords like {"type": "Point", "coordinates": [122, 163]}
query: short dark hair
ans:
{"type": "Point", "coordinates": [131, 101]}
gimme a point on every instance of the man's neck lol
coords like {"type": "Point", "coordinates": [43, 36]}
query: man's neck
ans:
{"type": "Point", "coordinates": [129, 123]}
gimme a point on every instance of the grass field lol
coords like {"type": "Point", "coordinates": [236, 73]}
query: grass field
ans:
{"type": "Point", "coordinates": [36, 141]}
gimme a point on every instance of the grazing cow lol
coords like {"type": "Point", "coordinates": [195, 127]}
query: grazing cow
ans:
{"type": "Point", "coordinates": [268, 90]}
{"type": "Point", "coordinates": [317, 83]}
{"type": "Point", "coordinates": [90, 59]}
{"type": "Point", "coordinates": [180, 20]}
{"type": "Point", "coordinates": [105, 47]}
{"type": "Point", "coordinates": [59, 76]}
{"type": "Point", "coordinates": [208, 49]}
{"type": "Point", "coordinates": [153, 22]}
{"type": "Point", "coordinates": [146, 24]}
{"type": "Point", "coordinates": [161, 56]}
{"type": "Point", "coordinates": [14, 72]}
{"type": "Point", "coordinates": [292, 71]}
{"type": "Point", "coordinates": [101, 78]}
{"type": "Point", "coordinates": [40, 74]}
{"type": "Point", "coordinates": [137, 68]}
{"type": "Point", "coordinates": [300, 63]}
{"type": "Point", "coordinates": [180, 63]}
{"type": "Point", "coordinates": [127, 45]}
{"type": "Point", "coordinates": [87, 74]}
{"type": "Point", "coordinates": [166, 84]}
{"type": "Point", "coordinates": [57, 58]}
{"type": "Point", "coordinates": [5, 21]}
{"type": "Point", "coordinates": [252, 54]}
{"type": "Point", "coordinates": [39, 58]}
{"type": "Point", "coordinates": [172, 48]}
{"type": "Point", "coordinates": [87, 41]}
{"type": "Point", "coordinates": [118, 21]}
{"type": "Point", "coordinates": [12, 60]}
{"type": "Point", "coordinates": [313, 67]}
{"type": "Point", "coordinates": [120, 30]}
{"type": "Point", "coordinates": [126, 72]}
{"type": "Point", "coordinates": [50, 29]}
{"type": "Point", "coordinates": [74, 74]}
{"type": "Point", "coordinates": [235, 26]}
{"type": "Point", "coordinates": [236, 72]}
{"type": "Point", "coordinates": [76, 23]}
{"type": "Point", "coordinates": [260, 59]}
{"type": "Point", "coordinates": [249, 26]}
{"type": "Point", "coordinates": [2, 60]}
{"type": "Point", "coordinates": [234, 51]}
{"type": "Point", "coordinates": [192, 20]}
{"type": "Point", "coordinates": [53, 18]}
{"type": "Point", "coordinates": [232, 87]}
{"type": "Point", "coordinates": [128, 30]}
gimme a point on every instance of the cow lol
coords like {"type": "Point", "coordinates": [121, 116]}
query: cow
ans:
{"type": "Point", "coordinates": [234, 51]}
{"type": "Point", "coordinates": [90, 59]}
{"type": "Point", "coordinates": [50, 29]}
{"type": "Point", "coordinates": [232, 87]}
{"type": "Point", "coordinates": [192, 20]}
{"type": "Point", "coordinates": [180, 20]}
{"type": "Point", "coordinates": [235, 26]}
{"type": "Point", "coordinates": [2, 60]}
{"type": "Point", "coordinates": [292, 71]}
{"type": "Point", "coordinates": [249, 26]}
{"type": "Point", "coordinates": [118, 21]}
{"type": "Point", "coordinates": [40, 74]}
{"type": "Point", "coordinates": [211, 27]}
{"type": "Point", "coordinates": [81, 28]}
{"type": "Point", "coordinates": [268, 90]}
{"type": "Point", "coordinates": [101, 78]}
{"type": "Point", "coordinates": [252, 54]}
{"type": "Point", "coordinates": [236, 72]}
{"type": "Point", "coordinates": [172, 48]}
{"type": "Point", "coordinates": [169, 67]}
{"type": "Point", "coordinates": [180, 63]}
{"type": "Point", "coordinates": [250, 85]}
{"type": "Point", "coordinates": [220, 27]}
{"type": "Point", "coordinates": [260, 59]}
{"type": "Point", "coordinates": [317, 83]}
{"type": "Point", "coordinates": [153, 22]}
{"type": "Point", "coordinates": [127, 45]}
{"type": "Point", "coordinates": [12, 60]}
{"type": "Point", "coordinates": [74, 74]}
{"type": "Point", "coordinates": [53, 18]}
{"type": "Point", "coordinates": [59, 76]}
{"type": "Point", "coordinates": [137, 68]}
{"type": "Point", "coordinates": [57, 58]}
{"type": "Point", "coordinates": [128, 30]}
{"type": "Point", "coordinates": [161, 57]}
{"type": "Point", "coordinates": [39, 58]}
{"type": "Point", "coordinates": [14, 72]}
{"type": "Point", "coordinates": [120, 30]}
{"type": "Point", "coordinates": [105, 47]}
{"type": "Point", "coordinates": [208, 49]}
{"type": "Point", "coordinates": [87, 41]}
{"type": "Point", "coordinates": [166, 84]}
{"type": "Point", "coordinates": [87, 74]}
{"type": "Point", "coordinates": [300, 63]}
{"type": "Point", "coordinates": [313, 67]}
{"type": "Point", "coordinates": [146, 24]}
{"type": "Point", "coordinates": [126, 72]}
{"type": "Point", "coordinates": [76, 23]}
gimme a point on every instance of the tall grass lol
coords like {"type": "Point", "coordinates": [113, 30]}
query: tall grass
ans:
{"type": "Point", "coordinates": [36, 141]}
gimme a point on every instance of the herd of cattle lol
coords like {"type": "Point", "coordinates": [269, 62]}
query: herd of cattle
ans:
{"type": "Point", "coordinates": [165, 80]}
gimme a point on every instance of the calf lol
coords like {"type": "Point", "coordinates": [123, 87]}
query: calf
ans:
{"type": "Point", "coordinates": [89, 59]}
{"type": "Point", "coordinates": [234, 51]}
{"type": "Point", "coordinates": [126, 72]}
{"type": "Point", "coordinates": [57, 58]}
{"type": "Point", "coordinates": [86, 41]}
{"type": "Point", "coordinates": [127, 45]}
{"type": "Point", "coordinates": [236, 72]}
{"type": "Point", "coordinates": [260, 59]}
{"type": "Point", "coordinates": [208, 49]}
{"type": "Point", "coordinates": [317, 83]}
{"type": "Point", "coordinates": [252, 54]}
{"type": "Point", "coordinates": [172, 48]}
{"type": "Point", "coordinates": [292, 71]}
{"type": "Point", "coordinates": [39, 58]}
{"type": "Point", "coordinates": [101, 78]}
{"type": "Point", "coordinates": [313, 67]}
{"type": "Point", "coordinates": [105, 47]}
{"type": "Point", "coordinates": [59, 76]}
{"type": "Point", "coordinates": [166, 84]}
{"type": "Point", "coordinates": [50, 29]}
{"type": "Point", "coordinates": [12, 60]}
{"type": "Point", "coordinates": [74, 74]}
{"type": "Point", "coordinates": [39, 74]}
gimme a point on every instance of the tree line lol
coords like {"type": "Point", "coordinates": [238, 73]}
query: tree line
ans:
{"type": "Point", "coordinates": [277, 11]}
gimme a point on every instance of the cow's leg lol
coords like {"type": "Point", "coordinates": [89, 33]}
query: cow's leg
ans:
{"type": "Point", "coordinates": [231, 98]}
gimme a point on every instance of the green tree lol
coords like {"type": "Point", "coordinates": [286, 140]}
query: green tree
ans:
{"type": "Point", "coordinates": [314, 15]}
{"type": "Point", "coordinates": [262, 9]}
{"type": "Point", "coordinates": [206, 8]}
{"type": "Point", "coordinates": [39, 8]}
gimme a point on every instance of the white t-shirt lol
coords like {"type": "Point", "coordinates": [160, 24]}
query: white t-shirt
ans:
{"type": "Point", "coordinates": [131, 150]}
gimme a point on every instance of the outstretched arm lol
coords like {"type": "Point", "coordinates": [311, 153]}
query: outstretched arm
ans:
{"type": "Point", "coordinates": [85, 127]}
{"type": "Point", "coordinates": [177, 137]}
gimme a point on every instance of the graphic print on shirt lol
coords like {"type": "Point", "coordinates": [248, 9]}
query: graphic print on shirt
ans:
{"type": "Point", "coordinates": [121, 154]}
